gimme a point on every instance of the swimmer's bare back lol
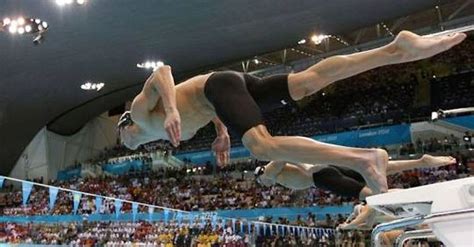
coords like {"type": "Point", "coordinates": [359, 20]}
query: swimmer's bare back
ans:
{"type": "Point", "coordinates": [193, 107]}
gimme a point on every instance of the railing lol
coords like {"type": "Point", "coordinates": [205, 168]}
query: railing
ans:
{"type": "Point", "coordinates": [416, 234]}
{"type": "Point", "coordinates": [417, 220]}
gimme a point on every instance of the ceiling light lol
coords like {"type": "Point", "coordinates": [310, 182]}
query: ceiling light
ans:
{"type": "Point", "coordinates": [256, 61]}
{"type": "Point", "coordinates": [89, 86]}
{"type": "Point", "coordinates": [150, 65]}
{"type": "Point", "coordinates": [21, 21]}
{"type": "Point", "coordinates": [6, 21]}
{"type": "Point", "coordinates": [22, 25]}
{"type": "Point", "coordinates": [100, 86]}
{"type": "Point", "coordinates": [303, 41]}
{"type": "Point", "coordinates": [12, 29]}
{"type": "Point", "coordinates": [86, 86]}
{"type": "Point", "coordinates": [69, 2]}
{"type": "Point", "coordinates": [318, 39]}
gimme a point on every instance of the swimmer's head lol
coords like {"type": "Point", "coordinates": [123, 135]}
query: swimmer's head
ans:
{"type": "Point", "coordinates": [125, 120]}
{"type": "Point", "coordinates": [125, 131]}
{"type": "Point", "coordinates": [261, 178]}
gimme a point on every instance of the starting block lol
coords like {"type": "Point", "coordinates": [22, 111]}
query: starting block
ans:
{"type": "Point", "coordinates": [447, 207]}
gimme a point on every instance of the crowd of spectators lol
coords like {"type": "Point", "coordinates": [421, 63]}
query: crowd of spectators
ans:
{"type": "Point", "coordinates": [168, 188]}
{"type": "Point", "coordinates": [152, 234]}
{"type": "Point", "coordinates": [191, 189]}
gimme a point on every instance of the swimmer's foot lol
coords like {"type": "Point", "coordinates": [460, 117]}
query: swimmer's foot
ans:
{"type": "Point", "coordinates": [375, 171]}
{"type": "Point", "coordinates": [437, 161]}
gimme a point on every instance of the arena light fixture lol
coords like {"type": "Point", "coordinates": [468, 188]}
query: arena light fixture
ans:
{"type": "Point", "coordinates": [70, 2]}
{"type": "Point", "coordinates": [150, 65]}
{"type": "Point", "coordinates": [92, 86]}
{"type": "Point", "coordinates": [256, 61]}
{"type": "Point", "coordinates": [318, 39]}
{"type": "Point", "coordinates": [12, 29]}
{"type": "Point", "coordinates": [21, 21]}
{"type": "Point", "coordinates": [6, 21]}
{"type": "Point", "coordinates": [22, 25]}
{"type": "Point", "coordinates": [301, 42]}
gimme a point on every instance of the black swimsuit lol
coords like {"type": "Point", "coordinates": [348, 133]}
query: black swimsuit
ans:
{"type": "Point", "coordinates": [240, 99]}
{"type": "Point", "coordinates": [341, 181]}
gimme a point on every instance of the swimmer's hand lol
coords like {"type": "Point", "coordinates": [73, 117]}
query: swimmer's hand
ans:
{"type": "Point", "coordinates": [409, 46]}
{"type": "Point", "coordinates": [173, 127]}
{"type": "Point", "coordinates": [221, 149]}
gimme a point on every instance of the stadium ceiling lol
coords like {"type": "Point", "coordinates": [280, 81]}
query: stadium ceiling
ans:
{"type": "Point", "coordinates": [103, 41]}
{"type": "Point", "coordinates": [435, 19]}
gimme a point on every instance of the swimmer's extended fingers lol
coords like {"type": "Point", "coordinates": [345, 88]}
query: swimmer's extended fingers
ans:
{"type": "Point", "coordinates": [227, 157]}
{"type": "Point", "coordinates": [173, 134]}
{"type": "Point", "coordinates": [220, 158]}
{"type": "Point", "coordinates": [173, 127]}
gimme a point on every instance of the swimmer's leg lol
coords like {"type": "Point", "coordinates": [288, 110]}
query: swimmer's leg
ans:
{"type": "Point", "coordinates": [406, 47]}
{"type": "Point", "coordinates": [370, 163]}
{"type": "Point", "coordinates": [426, 161]}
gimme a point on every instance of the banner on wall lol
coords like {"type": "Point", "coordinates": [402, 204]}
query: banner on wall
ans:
{"type": "Point", "coordinates": [69, 174]}
{"type": "Point", "coordinates": [464, 121]}
{"type": "Point", "coordinates": [26, 190]}
{"type": "Point", "coordinates": [76, 196]}
{"type": "Point", "coordinates": [134, 211]}
{"type": "Point", "coordinates": [53, 194]}
{"type": "Point", "coordinates": [179, 218]}
{"type": "Point", "coordinates": [118, 207]}
{"type": "Point", "coordinates": [98, 204]}
{"type": "Point", "coordinates": [380, 136]}
{"type": "Point", "coordinates": [123, 167]}
{"type": "Point", "coordinates": [166, 214]}
{"type": "Point", "coordinates": [150, 213]}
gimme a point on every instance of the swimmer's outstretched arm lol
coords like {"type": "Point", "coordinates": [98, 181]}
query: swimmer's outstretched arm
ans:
{"type": "Point", "coordinates": [274, 168]}
{"type": "Point", "coordinates": [161, 85]}
{"type": "Point", "coordinates": [221, 145]}
{"type": "Point", "coordinates": [297, 177]}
